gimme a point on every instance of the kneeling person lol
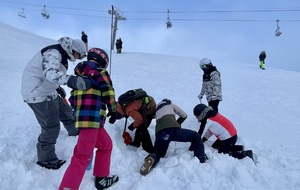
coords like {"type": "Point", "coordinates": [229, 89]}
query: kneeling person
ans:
{"type": "Point", "coordinates": [169, 129]}
{"type": "Point", "coordinates": [223, 129]}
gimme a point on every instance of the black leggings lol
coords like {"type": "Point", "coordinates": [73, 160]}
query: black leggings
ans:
{"type": "Point", "coordinates": [225, 146]}
{"type": "Point", "coordinates": [214, 104]}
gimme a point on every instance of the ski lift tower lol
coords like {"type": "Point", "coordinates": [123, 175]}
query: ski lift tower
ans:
{"type": "Point", "coordinates": [116, 16]}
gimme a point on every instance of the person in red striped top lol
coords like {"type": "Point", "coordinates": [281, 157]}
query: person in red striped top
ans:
{"type": "Point", "coordinates": [223, 129]}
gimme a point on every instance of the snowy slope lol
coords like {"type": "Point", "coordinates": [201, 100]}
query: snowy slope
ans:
{"type": "Point", "coordinates": [264, 106]}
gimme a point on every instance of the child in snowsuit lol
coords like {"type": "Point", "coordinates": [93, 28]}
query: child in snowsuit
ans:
{"type": "Point", "coordinates": [142, 113]}
{"type": "Point", "coordinates": [169, 129]}
{"type": "Point", "coordinates": [90, 112]}
{"type": "Point", "coordinates": [262, 57]}
{"type": "Point", "coordinates": [223, 129]}
{"type": "Point", "coordinates": [211, 85]}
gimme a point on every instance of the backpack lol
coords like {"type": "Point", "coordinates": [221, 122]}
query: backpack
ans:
{"type": "Point", "coordinates": [131, 95]}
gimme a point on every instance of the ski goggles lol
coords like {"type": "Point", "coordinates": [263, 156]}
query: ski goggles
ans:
{"type": "Point", "coordinates": [203, 66]}
{"type": "Point", "coordinates": [82, 56]}
{"type": "Point", "coordinates": [79, 55]}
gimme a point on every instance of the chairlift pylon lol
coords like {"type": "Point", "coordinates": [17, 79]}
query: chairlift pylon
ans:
{"type": "Point", "coordinates": [22, 13]}
{"type": "Point", "coordinates": [169, 23]}
{"type": "Point", "coordinates": [44, 13]}
{"type": "Point", "coordinates": [277, 31]}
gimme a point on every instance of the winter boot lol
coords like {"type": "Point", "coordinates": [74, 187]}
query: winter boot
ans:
{"type": "Point", "coordinates": [147, 166]}
{"type": "Point", "coordinates": [104, 183]}
{"type": "Point", "coordinates": [237, 148]}
{"type": "Point", "coordinates": [204, 159]}
{"type": "Point", "coordinates": [249, 153]}
{"type": "Point", "coordinates": [51, 165]}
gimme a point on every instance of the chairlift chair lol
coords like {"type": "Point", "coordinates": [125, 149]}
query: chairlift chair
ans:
{"type": "Point", "coordinates": [277, 31]}
{"type": "Point", "coordinates": [44, 13]}
{"type": "Point", "coordinates": [169, 23]}
{"type": "Point", "coordinates": [22, 13]}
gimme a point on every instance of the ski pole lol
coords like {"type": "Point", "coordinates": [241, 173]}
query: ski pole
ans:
{"type": "Point", "coordinates": [125, 125]}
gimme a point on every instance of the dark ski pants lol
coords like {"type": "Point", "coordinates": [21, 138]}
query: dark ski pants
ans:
{"type": "Point", "coordinates": [214, 104]}
{"type": "Point", "coordinates": [142, 136]}
{"type": "Point", "coordinates": [228, 147]}
{"type": "Point", "coordinates": [49, 114]}
{"type": "Point", "coordinates": [165, 136]}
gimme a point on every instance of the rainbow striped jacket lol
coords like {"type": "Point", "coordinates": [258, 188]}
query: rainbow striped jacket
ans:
{"type": "Point", "coordinates": [90, 105]}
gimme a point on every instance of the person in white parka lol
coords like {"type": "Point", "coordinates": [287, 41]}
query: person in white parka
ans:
{"type": "Point", "coordinates": [41, 90]}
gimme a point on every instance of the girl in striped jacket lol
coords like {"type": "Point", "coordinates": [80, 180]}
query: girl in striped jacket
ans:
{"type": "Point", "coordinates": [90, 114]}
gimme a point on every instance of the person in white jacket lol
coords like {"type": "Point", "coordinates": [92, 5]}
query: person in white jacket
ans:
{"type": "Point", "coordinates": [211, 84]}
{"type": "Point", "coordinates": [168, 129]}
{"type": "Point", "coordinates": [40, 89]}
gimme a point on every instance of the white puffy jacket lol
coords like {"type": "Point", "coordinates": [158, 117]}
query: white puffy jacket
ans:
{"type": "Point", "coordinates": [46, 71]}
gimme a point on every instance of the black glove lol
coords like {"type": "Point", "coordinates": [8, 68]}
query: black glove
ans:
{"type": "Point", "coordinates": [113, 117]}
{"type": "Point", "coordinates": [79, 83]}
{"type": "Point", "coordinates": [61, 92]}
{"type": "Point", "coordinates": [204, 139]}
{"type": "Point", "coordinates": [119, 116]}
{"type": "Point", "coordinates": [180, 120]}
{"type": "Point", "coordinates": [131, 127]}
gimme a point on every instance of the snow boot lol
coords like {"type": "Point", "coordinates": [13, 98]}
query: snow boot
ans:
{"type": "Point", "coordinates": [204, 159]}
{"type": "Point", "coordinates": [51, 165]}
{"type": "Point", "coordinates": [106, 182]}
{"type": "Point", "coordinates": [237, 148]}
{"type": "Point", "coordinates": [147, 166]}
{"type": "Point", "coordinates": [249, 153]}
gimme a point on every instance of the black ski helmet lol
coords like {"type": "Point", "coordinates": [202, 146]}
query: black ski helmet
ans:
{"type": "Point", "coordinates": [98, 55]}
{"type": "Point", "coordinates": [198, 109]}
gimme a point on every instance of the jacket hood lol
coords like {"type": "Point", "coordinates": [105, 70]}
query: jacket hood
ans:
{"type": "Point", "coordinates": [66, 44]}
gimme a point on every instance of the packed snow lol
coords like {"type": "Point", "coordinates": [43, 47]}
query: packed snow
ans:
{"type": "Point", "coordinates": [263, 105]}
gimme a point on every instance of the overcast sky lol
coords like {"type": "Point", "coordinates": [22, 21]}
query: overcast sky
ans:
{"type": "Point", "coordinates": [216, 29]}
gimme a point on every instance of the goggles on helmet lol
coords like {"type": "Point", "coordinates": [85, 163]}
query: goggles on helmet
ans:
{"type": "Point", "coordinates": [203, 66]}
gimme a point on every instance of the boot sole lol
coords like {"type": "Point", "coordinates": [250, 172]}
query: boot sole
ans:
{"type": "Point", "coordinates": [147, 166]}
{"type": "Point", "coordinates": [49, 165]}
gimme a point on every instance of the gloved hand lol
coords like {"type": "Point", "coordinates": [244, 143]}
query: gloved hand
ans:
{"type": "Point", "coordinates": [79, 83]}
{"type": "Point", "coordinates": [131, 127]}
{"type": "Point", "coordinates": [61, 92]}
{"type": "Point", "coordinates": [204, 139]}
{"type": "Point", "coordinates": [180, 120]}
{"type": "Point", "coordinates": [200, 96]}
{"type": "Point", "coordinates": [113, 117]}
